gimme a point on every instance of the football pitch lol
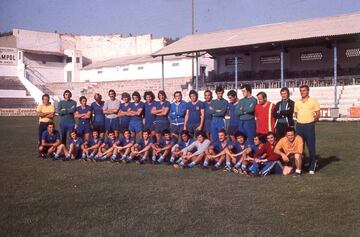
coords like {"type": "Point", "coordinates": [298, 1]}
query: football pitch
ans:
{"type": "Point", "coordinates": [55, 198]}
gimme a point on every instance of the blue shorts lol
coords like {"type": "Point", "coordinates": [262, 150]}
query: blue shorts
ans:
{"type": "Point", "coordinates": [177, 129]}
{"type": "Point", "coordinates": [191, 127]}
{"type": "Point", "coordinates": [149, 126]}
{"type": "Point", "coordinates": [207, 126]}
{"type": "Point", "coordinates": [112, 124]}
{"type": "Point", "coordinates": [123, 124]}
{"type": "Point", "coordinates": [83, 129]}
{"type": "Point", "coordinates": [161, 125]}
{"type": "Point", "coordinates": [135, 126]}
{"type": "Point", "coordinates": [99, 127]}
{"type": "Point", "coordinates": [232, 129]}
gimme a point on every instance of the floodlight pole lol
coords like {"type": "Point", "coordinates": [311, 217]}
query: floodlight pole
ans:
{"type": "Point", "coordinates": [192, 32]}
{"type": "Point", "coordinates": [282, 80]}
{"type": "Point", "coordinates": [335, 75]}
{"type": "Point", "coordinates": [162, 86]}
{"type": "Point", "coordinates": [236, 74]}
{"type": "Point", "coordinates": [197, 72]}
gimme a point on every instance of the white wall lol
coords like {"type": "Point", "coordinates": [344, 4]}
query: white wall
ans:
{"type": "Point", "coordinates": [150, 71]}
{"type": "Point", "coordinates": [35, 40]}
{"type": "Point", "coordinates": [8, 70]}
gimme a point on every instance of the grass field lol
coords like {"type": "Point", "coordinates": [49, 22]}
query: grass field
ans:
{"type": "Point", "coordinates": [46, 198]}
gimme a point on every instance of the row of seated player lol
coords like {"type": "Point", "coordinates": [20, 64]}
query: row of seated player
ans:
{"type": "Point", "coordinates": [264, 156]}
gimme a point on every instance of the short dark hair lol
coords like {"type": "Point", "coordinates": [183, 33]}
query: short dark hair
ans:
{"type": "Point", "coordinates": [193, 92]}
{"type": "Point", "coordinates": [177, 92]}
{"type": "Point", "coordinates": [185, 132]}
{"type": "Point", "coordinates": [232, 93]}
{"type": "Point", "coordinates": [200, 133]}
{"type": "Point", "coordinates": [45, 95]}
{"type": "Point", "coordinates": [166, 131]}
{"type": "Point", "coordinates": [261, 137]}
{"type": "Point", "coordinates": [305, 86]}
{"type": "Point", "coordinates": [162, 93]}
{"type": "Point", "coordinates": [67, 91]}
{"type": "Point", "coordinates": [137, 94]}
{"type": "Point", "coordinates": [147, 131]}
{"type": "Point", "coordinates": [110, 131]}
{"type": "Point", "coordinates": [82, 97]}
{"type": "Point", "coordinates": [290, 129]}
{"type": "Point", "coordinates": [111, 90]}
{"type": "Point", "coordinates": [222, 131]}
{"type": "Point", "coordinates": [73, 131]}
{"type": "Point", "coordinates": [270, 134]}
{"type": "Point", "coordinates": [125, 130]}
{"type": "Point", "coordinates": [285, 89]}
{"type": "Point", "coordinates": [150, 93]}
{"type": "Point", "coordinates": [209, 91]}
{"type": "Point", "coordinates": [97, 95]}
{"type": "Point", "coordinates": [240, 134]}
{"type": "Point", "coordinates": [125, 95]}
{"type": "Point", "coordinates": [246, 87]}
{"type": "Point", "coordinates": [263, 94]}
{"type": "Point", "coordinates": [219, 89]}
{"type": "Point", "coordinates": [51, 123]}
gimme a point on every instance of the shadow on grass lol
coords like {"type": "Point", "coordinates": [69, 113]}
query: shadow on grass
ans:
{"type": "Point", "coordinates": [324, 161]}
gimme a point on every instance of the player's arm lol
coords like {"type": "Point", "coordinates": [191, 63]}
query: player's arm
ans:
{"type": "Point", "coordinates": [202, 119]}
{"type": "Point", "coordinates": [186, 118]}
{"type": "Point", "coordinates": [72, 109]}
{"type": "Point", "coordinates": [146, 148]}
{"type": "Point", "coordinates": [164, 111]}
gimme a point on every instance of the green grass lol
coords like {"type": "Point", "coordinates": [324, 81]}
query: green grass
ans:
{"type": "Point", "coordinates": [46, 198]}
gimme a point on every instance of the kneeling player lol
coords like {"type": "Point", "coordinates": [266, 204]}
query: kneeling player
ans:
{"type": "Point", "coordinates": [189, 157]}
{"type": "Point", "coordinates": [123, 147]}
{"type": "Point", "coordinates": [265, 159]}
{"type": "Point", "coordinates": [50, 143]}
{"type": "Point", "coordinates": [162, 148]}
{"type": "Point", "coordinates": [75, 146]}
{"type": "Point", "coordinates": [185, 141]}
{"type": "Point", "coordinates": [237, 153]}
{"type": "Point", "coordinates": [91, 146]}
{"type": "Point", "coordinates": [216, 153]}
{"type": "Point", "coordinates": [106, 149]}
{"type": "Point", "coordinates": [142, 149]}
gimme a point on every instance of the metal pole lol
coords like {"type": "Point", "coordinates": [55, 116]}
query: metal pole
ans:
{"type": "Point", "coordinates": [236, 74]}
{"type": "Point", "coordinates": [197, 72]}
{"type": "Point", "coordinates": [282, 67]}
{"type": "Point", "coordinates": [192, 32]}
{"type": "Point", "coordinates": [335, 75]}
{"type": "Point", "coordinates": [162, 87]}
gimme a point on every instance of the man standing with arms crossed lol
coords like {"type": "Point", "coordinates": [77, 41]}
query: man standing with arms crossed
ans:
{"type": "Point", "coordinates": [307, 112]}
{"type": "Point", "coordinates": [110, 109]}
{"type": "Point", "coordinates": [66, 109]}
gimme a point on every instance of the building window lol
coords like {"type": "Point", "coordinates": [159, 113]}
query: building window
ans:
{"type": "Point", "coordinates": [68, 59]}
{"type": "Point", "coordinates": [77, 59]}
{"type": "Point", "coordinates": [125, 69]}
{"type": "Point", "coordinates": [175, 64]}
{"type": "Point", "coordinates": [43, 62]}
{"type": "Point", "coordinates": [272, 59]}
{"type": "Point", "coordinates": [99, 72]}
{"type": "Point", "coordinates": [19, 55]}
{"type": "Point", "coordinates": [231, 61]}
{"type": "Point", "coordinates": [311, 56]}
{"type": "Point", "coordinates": [352, 52]}
{"type": "Point", "coordinates": [140, 68]}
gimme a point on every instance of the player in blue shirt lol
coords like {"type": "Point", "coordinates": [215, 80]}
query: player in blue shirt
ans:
{"type": "Point", "coordinates": [83, 114]}
{"type": "Point", "coordinates": [216, 153]}
{"type": "Point", "coordinates": [161, 111]}
{"type": "Point", "coordinates": [141, 150]}
{"type": "Point", "coordinates": [91, 146]}
{"type": "Point", "coordinates": [218, 110]}
{"type": "Point", "coordinates": [124, 118]}
{"type": "Point", "coordinates": [233, 126]}
{"type": "Point", "coordinates": [136, 115]}
{"type": "Point", "coordinates": [122, 147]}
{"type": "Point", "coordinates": [74, 146]}
{"type": "Point", "coordinates": [162, 148]}
{"type": "Point", "coordinates": [107, 147]}
{"type": "Point", "coordinates": [98, 117]}
{"type": "Point", "coordinates": [149, 118]}
{"type": "Point", "coordinates": [177, 114]}
{"type": "Point", "coordinates": [208, 116]}
{"type": "Point", "coordinates": [194, 118]}
{"type": "Point", "coordinates": [236, 154]}
{"type": "Point", "coordinates": [185, 141]}
{"type": "Point", "coordinates": [51, 144]}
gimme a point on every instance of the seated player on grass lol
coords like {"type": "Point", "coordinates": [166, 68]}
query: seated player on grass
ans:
{"type": "Point", "coordinates": [291, 148]}
{"type": "Point", "coordinates": [107, 147]}
{"type": "Point", "coordinates": [122, 147]}
{"type": "Point", "coordinates": [265, 160]}
{"type": "Point", "coordinates": [74, 146]}
{"type": "Point", "coordinates": [51, 144]}
{"type": "Point", "coordinates": [91, 146]}
{"type": "Point", "coordinates": [216, 153]}
{"type": "Point", "coordinates": [185, 141]}
{"type": "Point", "coordinates": [237, 153]}
{"type": "Point", "coordinates": [194, 154]}
{"type": "Point", "coordinates": [141, 150]}
{"type": "Point", "coordinates": [162, 149]}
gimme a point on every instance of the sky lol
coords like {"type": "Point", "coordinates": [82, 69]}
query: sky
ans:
{"type": "Point", "coordinates": [162, 18]}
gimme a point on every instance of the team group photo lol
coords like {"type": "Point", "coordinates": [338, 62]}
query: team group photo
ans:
{"type": "Point", "coordinates": [180, 118]}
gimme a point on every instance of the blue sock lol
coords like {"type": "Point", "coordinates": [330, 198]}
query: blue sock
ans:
{"type": "Point", "coordinates": [153, 158]}
{"type": "Point", "coordinates": [206, 163]}
{"type": "Point", "coordinates": [243, 167]}
{"type": "Point", "coordinates": [103, 158]}
{"type": "Point", "coordinates": [217, 165]}
{"type": "Point", "coordinates": [192, 164]}
{"type": "Point", "coordinates": [56, 156]}
{"type": "Point", "coordinates": [228, 164]}
{"type": "Point", "coordinates": [143, 159]}
{"type": "Point", "coordinates": [96, 157]}
{"type": "Point", "coordinates": [179, 161]}
{"type": "Point", "coordinates": [92, 155]}
{"type": "Point", "coordinates": [129, 158]}
{"type": "Point", "coordinates": [83, 156]}
{"type": "Point", "coordinates": [67, 157]}
{"type": "Point", "coordinates": [123, 157]}
{"type": "Point", "coordinates": [172, 159]}
{"type": "Point", "coordinates": [113, 157]}
{"type": "Point", "coordinates": [237, 165]}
